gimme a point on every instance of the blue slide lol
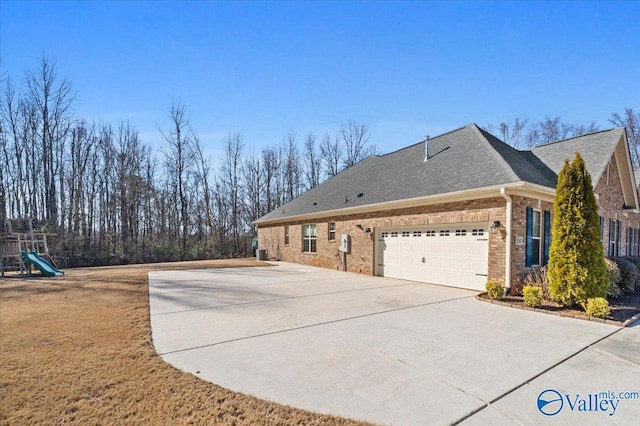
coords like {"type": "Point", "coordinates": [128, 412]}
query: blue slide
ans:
{"type": "Point", "coordinates": [45, 267]}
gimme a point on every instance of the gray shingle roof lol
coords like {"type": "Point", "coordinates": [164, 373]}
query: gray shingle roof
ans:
{"type": "Point", "coordinates": [459, 160]}
{"type": "Point", "coordinates": [464, 159]}
{"type": "Point", "coordinates": [596, 150]}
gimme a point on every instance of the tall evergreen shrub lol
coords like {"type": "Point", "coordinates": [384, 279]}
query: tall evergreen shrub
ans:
{"type": "Point", "coordinates": [576, 269]}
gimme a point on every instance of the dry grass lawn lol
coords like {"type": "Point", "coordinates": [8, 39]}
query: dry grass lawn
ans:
{"type": "Point", "coordinates": [77, 350]}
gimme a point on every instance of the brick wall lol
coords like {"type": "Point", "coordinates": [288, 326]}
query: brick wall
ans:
{"type": "Point", "coordinates": [519, 231]}
{"type": "Point", "coordinates": [361, 258]}
{"type": "Point", "coordinates": [610, 202]}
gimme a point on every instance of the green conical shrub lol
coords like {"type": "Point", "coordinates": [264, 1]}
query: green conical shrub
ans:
{"type": "Point", "coordinates": [576, 270]}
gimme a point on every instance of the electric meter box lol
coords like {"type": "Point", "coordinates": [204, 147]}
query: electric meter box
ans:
{"type": "Point", "coordinates": [345, 245]}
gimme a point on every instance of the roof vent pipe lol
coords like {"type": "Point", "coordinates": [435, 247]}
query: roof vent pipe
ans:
{"type": "Point", "coordinates": [426, 148]}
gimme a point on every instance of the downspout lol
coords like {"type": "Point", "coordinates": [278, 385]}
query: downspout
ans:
{"type": "Point", "coordinates": [507, 266]}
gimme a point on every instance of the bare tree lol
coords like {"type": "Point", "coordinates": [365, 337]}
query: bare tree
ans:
{"type": "Point", "coordinates": [271, 167]}
{"type": "Point", "coordinates": [202, 183]}
{"type": "Point", "coordinates": [230, 181]}
{"type": "Point", "coordinates": [253, 189]}
{"type": "Point", "coordinates": [311, 161]}
{"type": "Point", "coordinates": [331, 154]}
{"type": "Point", "coordinates": [291, 173]}
{"type": "Point", "coordinates": [521, 136]}
{"type": "Point", "coordinates": [512, 134]}
{"type": "Point", "coordinates": [631, 121]}
{"type": "Point", "coordinates": [355, 139]}
{"type": "Point", "coordinates": [581, 129]}
{"type": "Point", "coordinates": [52, 99]}
{"type": "Point", "coordinates": [180, 163]}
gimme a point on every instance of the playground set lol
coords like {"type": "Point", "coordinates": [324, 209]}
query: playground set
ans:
{"type": "Point", "coordinates": [22, 248]}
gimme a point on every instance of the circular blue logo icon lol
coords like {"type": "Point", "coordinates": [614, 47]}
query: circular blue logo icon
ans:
{"type": "Point", "coordinates": [550, 402]}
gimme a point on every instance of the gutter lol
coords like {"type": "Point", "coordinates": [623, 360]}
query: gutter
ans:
{"type": "Point", "coordinates": [507, 266]}
{"type": "Point", "coordinates": [522, 187]}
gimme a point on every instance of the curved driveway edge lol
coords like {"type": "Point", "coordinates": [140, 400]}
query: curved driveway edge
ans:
{"type": "Point", "coordinates": [378, 349]}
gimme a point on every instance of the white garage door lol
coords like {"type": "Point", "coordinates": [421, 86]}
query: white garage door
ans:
{"type": "Point", "coordinates": [453, 254]}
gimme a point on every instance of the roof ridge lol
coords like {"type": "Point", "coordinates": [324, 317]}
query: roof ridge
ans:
{"type": "Point", "coordinates": [422, 141]}
{"type": "Point", "coordinates": [495, 153]}
{"type": "Point", "coordinates": [576, 137]}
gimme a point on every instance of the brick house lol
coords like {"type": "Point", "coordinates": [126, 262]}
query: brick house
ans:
{"type": "Point", "coordinates": [459, 209]}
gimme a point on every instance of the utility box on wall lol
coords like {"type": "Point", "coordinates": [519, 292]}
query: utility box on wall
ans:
{"type": "Point", "coordinates": [345, 245]}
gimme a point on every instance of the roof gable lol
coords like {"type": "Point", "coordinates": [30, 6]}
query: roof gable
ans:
{"type": "Point", "coordinates": [596, 150]}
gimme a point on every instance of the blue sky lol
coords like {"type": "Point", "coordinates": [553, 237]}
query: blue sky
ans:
{"type": "Point", "coordinates": [403, 69]}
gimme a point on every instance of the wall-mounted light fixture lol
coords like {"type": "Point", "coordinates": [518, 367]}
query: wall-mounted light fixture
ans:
{"type": "Point", "coordinates": [367, 231]}
{"type": "Point", "coordinates": [495, 226]}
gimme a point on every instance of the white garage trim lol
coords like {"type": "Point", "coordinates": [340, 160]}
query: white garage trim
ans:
{"type": "Point", "coordinates": [455, 254]}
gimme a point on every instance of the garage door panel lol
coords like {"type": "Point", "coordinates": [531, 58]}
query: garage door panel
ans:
{"type": "Point", "coordinates": [455, 254]}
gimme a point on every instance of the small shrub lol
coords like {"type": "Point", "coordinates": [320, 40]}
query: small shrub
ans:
{"type": "Point", "coordinates": [613, 272]}
{"type": "Point", "coordinates": [597, 307]}
{"type": "Point", "coordinates": [495, 289]}
{"type": "Point", "coordinates": [532, 296]}
{"type": "Point", "coordinates": [629, 274]}
{"type": "Point", "coordinates": [537, 277]}
{"type": "Point", "coordinates": [636, 261]}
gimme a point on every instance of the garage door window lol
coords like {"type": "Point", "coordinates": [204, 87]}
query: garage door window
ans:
{"type": "Point", "coordinates": [309, 238]}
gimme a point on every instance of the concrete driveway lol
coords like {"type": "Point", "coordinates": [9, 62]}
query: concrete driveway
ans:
{"type": "Point", "coordinates": [386, 351]}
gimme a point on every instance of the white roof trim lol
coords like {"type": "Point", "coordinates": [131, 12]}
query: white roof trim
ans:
{"type": "Point", "coordinates": [518, 188]}
{"type": "Point", "coordinates": [622, 150]}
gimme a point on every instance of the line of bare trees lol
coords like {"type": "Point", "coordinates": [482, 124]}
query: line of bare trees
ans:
{"type": "Point", "coordinates": [523, 134]}
{"type": "Point", "coordinates": [111, 198]}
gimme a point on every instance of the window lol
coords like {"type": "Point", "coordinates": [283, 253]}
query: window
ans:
{"type": "Point", "coordinates": [477, 232]}
{"type": "Point", "coordinates": [430, 233]}
{"type": "Point", "coordinates": [461, 232]}
{"type": "Point", "coordinates": [536, 253]}
{"type": "Point", "coordinates": [309, 238]}
{"type": "Point", "coordinates": [332, 231]}
{"type": "Point", "coordinates": [614, 237]}
{"type": "Point", "coordinates": [384, 235]}
{"type": "Point", "coordinates": [286, 235]}
{"type": "Point", "coordinates": [406, 233]}
{"type": "Point", "coordinates": [536, 238]}
{"type": "Point", "coordinates": [444, 233]}
{"type": "Point", "coordinates": [632, 242]}
{"type": "Point", "coordinates": [633, 246]}
{"type": "Point", "coordinates": [394, 234]}
{"type": "Point", "coordinates": [417, 233]}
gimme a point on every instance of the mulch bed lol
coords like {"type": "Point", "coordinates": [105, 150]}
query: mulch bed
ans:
{"type": "Point", "coordinates": [623, 308]}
